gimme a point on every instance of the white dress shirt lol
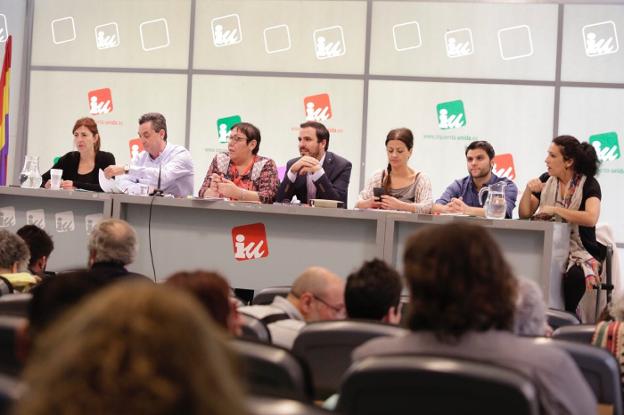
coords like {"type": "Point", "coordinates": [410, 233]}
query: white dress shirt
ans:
{"type": "Point", "coordinates": [176, 172]}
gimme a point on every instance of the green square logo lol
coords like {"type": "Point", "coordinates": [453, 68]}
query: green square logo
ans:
{"type": "Point", "coordinates": [451, 115]}
{"type": "Point", "coordinates": [224, 125]}
{"type": "Point", "coordinates": [606, 145]}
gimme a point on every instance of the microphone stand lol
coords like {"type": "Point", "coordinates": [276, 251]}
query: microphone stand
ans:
{"type": "Point", "coordinates": [158, 191]}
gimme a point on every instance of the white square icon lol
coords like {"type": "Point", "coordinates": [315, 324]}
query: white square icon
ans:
{"type": "Point", "coordinates": [107, 36]}
{"type": "Point", "coordinates": [329, 42]}
{"type": "Point", "coordinates": [7, 216]}
{"type": "Point", "coordinates": [36, 217]}
{"type": "Point", "coordinates": [64, 221]}
{"type": "Point", "coordinates": [154, 34]}
{"type": "Point", "coordinates": [459, 43]}
{"type": "Point", "coordinates": [515, 42]}
{"type": "Point", "coordinates": [406, 36]}
{"type": "Point", "coordinates": [277, 39]}
{"type": "Point", "coordinates": [600, 39]}
{"type": "Point", "coordinates": [226, 30]}
{"type": "Point", "coordinates": [91, 221]}
{"type": "Point", "coordinates": [4, 29]}
{"type": "Point", "coordinates": [63, 30]}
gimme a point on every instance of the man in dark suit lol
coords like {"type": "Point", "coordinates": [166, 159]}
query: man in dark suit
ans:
{"type": "Point", "coordinates": [318, 173]}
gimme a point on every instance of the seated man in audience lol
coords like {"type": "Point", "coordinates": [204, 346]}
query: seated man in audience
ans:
{"type": "Point", "coordinates": [462, 305]}
{"type": "Point", "coordinates": [318, 173]}
{"type": "Point", "coordinates": [14, 258]}
{"type": "Point", "coordinates": [162, 164]}
{"type": "Point", "coordinates": [112, 246]}
{"type": "Point", "coordinates": [316, 295]}
{"type": "Point", "coordinates": [40, 245]}
{"type": "Point", "coordinates": [462, 196]}
{"type": "Point", "coordinates": [530, 316]}
{"type": "Point", "coordinates": [373, 292]}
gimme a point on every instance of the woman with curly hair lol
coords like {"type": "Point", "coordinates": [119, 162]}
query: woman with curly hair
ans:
{"type": "Point", "coordinates": [134, 348]}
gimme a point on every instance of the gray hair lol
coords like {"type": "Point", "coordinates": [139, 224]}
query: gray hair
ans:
{"type": "Point", "coordinates": [158, 121]}
{"type": "Point", "coordinates": [530, 316]}
{"type": "Point", "coordinates": [113, 240]}
{"type": "Point", "coordinates": [13, 249]}
{"type": "Point", "coordinates": [616, 309]}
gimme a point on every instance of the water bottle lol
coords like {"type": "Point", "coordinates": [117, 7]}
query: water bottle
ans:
{"type": "Point", "coordinates": [30, 178]}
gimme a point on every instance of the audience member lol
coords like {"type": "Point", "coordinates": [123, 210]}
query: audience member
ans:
{"type": "Point", "coordinates": [530, 315]}
{"type": "Point", "coordinates": [163, 164]}
{"type": "Point", "coordinates": [14, 258]}
{"type": "Point", "coordinates": [40, 245]}
{"type": "Point", "coordinates": [462, 196]}
{"type": "Point", "coordinates": [112, 246]}
{"type": "Point", "coordinates": [398, 186]}
{"type": "Point", "coordinates": [214, 293]}
{"type": "Point", "coordinates": [133, 349]}
{"type": "Point", "coordinates": [240, 173]}
{"type": "Point", "coordinates": [462, 305]}
{"type": "Point", "coordinates": [373, 292]}
{"type": "Point", "coordinates": [316, 295]}
{"type": "Point", "coordinates": [318, 173]}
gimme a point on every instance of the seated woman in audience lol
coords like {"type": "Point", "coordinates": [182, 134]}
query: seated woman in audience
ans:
{"type": "Point", "coordinates": [568, 192]}
{"type": "Point", "coordinates": [133, 348]}
{"type": "Point", "coordinates": [81, 168]}
{"type": "Point", "coordinates": [403, 187]}
{"type": "Point", "coordinates": [462, 304]}
{"type": "Point", "coordinates": [14, 258]}
{"type": "Point", "coordinates": [214, 293]}
{"type": "Point", "coordinates": [241, 174]}
{"type": "Point", "coordinates": [530, 315]}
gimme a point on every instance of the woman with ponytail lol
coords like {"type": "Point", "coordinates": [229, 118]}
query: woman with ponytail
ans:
{"type": "Point", "coordinates": [569, 192]}
{"type": "Point", "coordinates": [403, 188]}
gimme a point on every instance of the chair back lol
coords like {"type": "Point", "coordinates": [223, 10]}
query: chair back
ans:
{"type": "Point", "coordinates": [273, 371]}
{"type": "Point", "coordinates": [9, 331]}
{"type": "Point", "coordinates": [560, 318]}
{"type": "Point", "coordinates": [10, 389]}
{"type": "Point", "coordinates": [326, 347]}
{"type": "Point", "coordinates": [600, 369]}
{"type": "Point", "coordinates": [254, 329]}
{"type": "Point", "coordinates": [266, 295]}
{"type": "Point", "coordinates": [262, 405]}
{"type": "Point", "coordinates": [580, 333]}
{"type": "Point", "coordinates": [404, 384]}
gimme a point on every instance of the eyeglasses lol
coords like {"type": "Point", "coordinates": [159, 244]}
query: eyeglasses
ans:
{"type": "Point", "coordinates": [237, 138]}
{"type": "Point", "coordinates": [337, 309]}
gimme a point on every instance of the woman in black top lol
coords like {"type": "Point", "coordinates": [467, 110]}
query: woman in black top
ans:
{"type": "Point", "coordinates": [569, 192]}
{"type": "Point", "coordinates": [81, 168]}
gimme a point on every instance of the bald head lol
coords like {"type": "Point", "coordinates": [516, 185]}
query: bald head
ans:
{"type": "Point", "coordinates": [113, 240]}
{"type": "Point", "coordinates": [319, 294]}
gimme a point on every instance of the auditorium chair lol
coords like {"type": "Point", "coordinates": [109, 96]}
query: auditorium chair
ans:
{"type": "Point", "coordinates": [262, 405]}
{"type": "Point", "coordinates": [580, 333]}
{"type": "Point", "coordinates": [560, 318]}
{"type": "Point", "coordinates": [9, 327]}
{"type": "Point", "coordinates": [266, 295]}
{"type": "Point", "coordinates": [273, 371]}
{"type": "Point", "coordinates": [409, 384]}
{"type": "Point", "coordinates": [326, 347]}
{"type": "Point", "coordinates": [15, 304]}
{"type": "Point", "coordinates": [599, 368]}
{"type": "Point", "coordinates": [9, 393]}
{"type": "Point", "coordinates": [254, 329]}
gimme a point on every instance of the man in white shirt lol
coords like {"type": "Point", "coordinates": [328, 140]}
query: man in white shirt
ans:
{"type": "Point", "coordinates": [316, 295]}
{"type": "Point", "coordinates": [161, 165]}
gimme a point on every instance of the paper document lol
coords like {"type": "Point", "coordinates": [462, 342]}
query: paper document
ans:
{"type": "Point", "coordinates": [108, 185]}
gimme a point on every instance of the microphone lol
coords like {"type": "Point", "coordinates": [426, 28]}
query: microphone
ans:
{"type": "Point", "coordinates": [158, 191]}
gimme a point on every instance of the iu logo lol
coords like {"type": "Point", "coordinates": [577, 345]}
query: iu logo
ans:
{"type": "Point", "coordinates": [317, 107]}
{"type": "Point", "coordinates": [250, 242]}
{"type": "Point", "coordinates": [504, 166]}
{"type": "Point", "coordinates": [136, 146]}
{"type": "Point", "coordinates": [451, 114]}
{"type": "Point", "coordinates": [100, 101]}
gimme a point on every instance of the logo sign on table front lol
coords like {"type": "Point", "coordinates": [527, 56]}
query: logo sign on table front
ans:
{"type": "Point", "coordinates": [250, 242]}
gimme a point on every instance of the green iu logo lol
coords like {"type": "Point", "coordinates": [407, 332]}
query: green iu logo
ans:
{"type": "Point", "coordinates": [606, 145]}
{"type": "Point", "coordinates": [224, 125]}
{"type": "Point", "coordinates": [451, 115]}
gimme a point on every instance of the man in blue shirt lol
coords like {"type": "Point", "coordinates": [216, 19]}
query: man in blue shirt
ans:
{"type": "Point", "coordinates": [462, 196]}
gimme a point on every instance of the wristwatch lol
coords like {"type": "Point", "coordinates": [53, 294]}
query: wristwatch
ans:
{"type": "Point", "coordinates": [126, 168]}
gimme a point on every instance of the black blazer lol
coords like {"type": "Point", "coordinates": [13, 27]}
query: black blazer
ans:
{"type": "Point", "coordinates": [69, 163]}
{"type": "Point", "coordinates": [333, 185]}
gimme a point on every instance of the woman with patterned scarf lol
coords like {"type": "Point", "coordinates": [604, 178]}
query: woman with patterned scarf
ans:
{"type": "Point", "coordinates": [568, 192]}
